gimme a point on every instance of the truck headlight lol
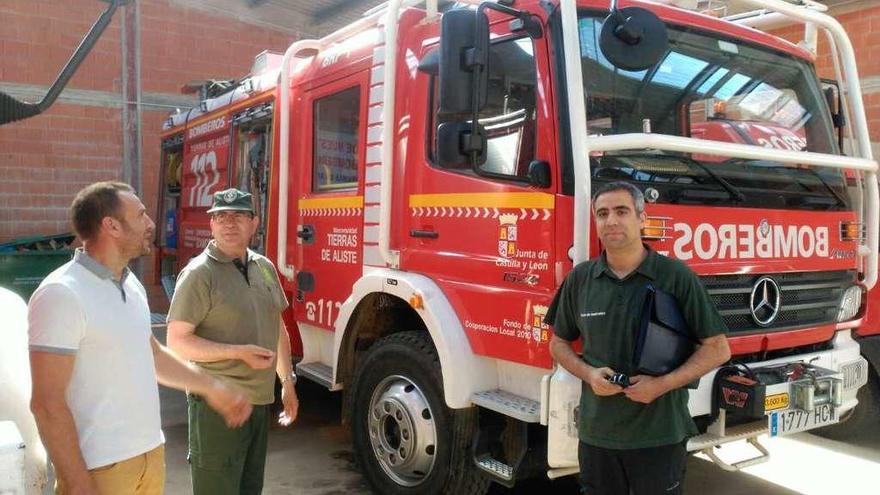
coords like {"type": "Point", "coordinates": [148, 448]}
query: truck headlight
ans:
{"type": "Point", "coordinates": [850, 303]}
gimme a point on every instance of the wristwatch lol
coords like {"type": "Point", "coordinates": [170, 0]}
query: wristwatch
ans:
{"type": "Point", "coordinates": [291, 378]}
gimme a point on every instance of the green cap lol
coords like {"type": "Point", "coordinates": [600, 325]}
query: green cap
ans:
{"type": "Point", "coordinates": [232, 200]}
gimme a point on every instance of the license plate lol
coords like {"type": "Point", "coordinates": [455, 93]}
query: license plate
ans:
{"type": "Point", "coordinates": [795, 420]}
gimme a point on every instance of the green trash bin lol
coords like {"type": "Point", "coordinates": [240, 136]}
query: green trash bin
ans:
{"type": "Point", "coordinates": [25, 262]}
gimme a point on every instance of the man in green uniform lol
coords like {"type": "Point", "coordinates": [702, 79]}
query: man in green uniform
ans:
{"type": "Point", "coordinates": [226, 317]}
{"type": "Point", "coordinates": [633, 439]}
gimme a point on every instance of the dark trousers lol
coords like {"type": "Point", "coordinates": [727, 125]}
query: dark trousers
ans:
{"type": "Point", "coordinates": [651, 471]}
{"type": "Point", "coordinates": [223, 460]}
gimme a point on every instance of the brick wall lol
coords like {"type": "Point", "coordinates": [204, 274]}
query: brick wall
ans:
{"type": "Point", "coordinates": [46, 159]}
{"type": "Point", "coordinates": [863, 28]}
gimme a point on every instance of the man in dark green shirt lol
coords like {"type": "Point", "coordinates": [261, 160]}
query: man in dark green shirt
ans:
{"type": "Point", "coordinates": [633, 439]}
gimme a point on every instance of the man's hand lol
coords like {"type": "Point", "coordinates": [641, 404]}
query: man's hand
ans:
{"type": "Point", "coordinates": [290, 402]}
{"type": "Point", "coordinates": [645, 389]}
{"type": "Point", "coordinates": [229, 403]}
{"type": "Point", "coordinates": [598, 381]}
{"type": "Point", "coordinates": [256, 357]}
{"type": "Point", "coordinates": [596, 378]}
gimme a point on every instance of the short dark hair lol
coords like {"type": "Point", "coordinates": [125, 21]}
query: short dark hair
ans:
{"type": "Point", "coordinates": [636, 193]}
{"type": "Point", "coordinates": [93, 203]}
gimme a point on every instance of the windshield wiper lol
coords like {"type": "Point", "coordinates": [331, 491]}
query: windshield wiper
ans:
{"type": "Point", "coordinates": [840, 200]}
{"type": "Point", "coordinates": [738, 196]}
{"type": "Point", "coordinates": [727, 186]}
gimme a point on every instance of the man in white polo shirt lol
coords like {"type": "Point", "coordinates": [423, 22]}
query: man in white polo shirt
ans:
{"type": "Point", "coordinates": [95, 362]}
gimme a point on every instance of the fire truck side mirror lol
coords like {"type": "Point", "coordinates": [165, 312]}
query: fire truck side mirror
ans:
{"type": "Point", "coordinates": [633, 38]}
{"type": "Point", "coordinates": [464, 60]}
{"type": "Point", "coordinates": [460, 148]}
{"type": "Point", "coordinates": [833, 97]}
{"type": "Point", "coordinates": [430, 62]}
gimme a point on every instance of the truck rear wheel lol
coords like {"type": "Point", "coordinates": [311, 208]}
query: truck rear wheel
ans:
{"type": "Point", "coordinates": [863, 420]}
{"type": "Point", "coordinates": [405, 438]}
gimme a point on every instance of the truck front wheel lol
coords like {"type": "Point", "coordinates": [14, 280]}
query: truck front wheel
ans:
{"type": "Point", "coordinates": [405, 438]}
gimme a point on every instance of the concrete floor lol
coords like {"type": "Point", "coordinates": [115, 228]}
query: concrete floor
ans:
{"type": "Point", "coordinates": [314, 457]}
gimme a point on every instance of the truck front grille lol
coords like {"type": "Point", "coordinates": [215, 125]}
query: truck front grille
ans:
{"type": "Point", "coordinates": [808, 299]}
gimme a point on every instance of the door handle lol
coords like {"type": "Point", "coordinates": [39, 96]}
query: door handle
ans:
{"type": "Point", "coordinates": [306, 233]}
{"type": "Point", "coordinates": [424, 234]}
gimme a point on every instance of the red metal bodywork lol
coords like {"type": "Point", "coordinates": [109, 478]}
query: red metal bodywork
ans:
{"type": "Point", "coordinates": [871, 321]}
{"type": "Point", "coordinates": [502, 248]}
{"type": "Point", "coordinates": [208, 164]}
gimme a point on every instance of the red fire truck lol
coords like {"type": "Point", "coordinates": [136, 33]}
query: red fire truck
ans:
{"type": "Point", "coordinates": [428, 190]}
{"type": "Point", "coordinates": [226, 140]}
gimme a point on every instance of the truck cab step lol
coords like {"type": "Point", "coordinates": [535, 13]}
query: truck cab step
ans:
{"type": "Point", "coordinates": [317, 372]}
{"type": "Point", "coordinates": [509, 404]}
{"type": "Point", "coordinates": [496, 470]}
{"type": "Point", "coordinates": [718, 434]}
{"type": "Point", "coordinates": [733, 434]}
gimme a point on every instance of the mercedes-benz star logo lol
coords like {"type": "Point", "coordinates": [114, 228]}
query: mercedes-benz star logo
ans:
{"type": "Point", "coordinates": [765, 301]}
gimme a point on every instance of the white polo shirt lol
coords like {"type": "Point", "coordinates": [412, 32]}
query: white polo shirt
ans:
{"type": "Point", "coordinates": [80, 310]}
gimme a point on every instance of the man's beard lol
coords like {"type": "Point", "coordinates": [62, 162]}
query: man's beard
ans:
{"type": "Point", "coordinates": [134, 250]}
{"type": "Point", "coordinates": [135, 246]}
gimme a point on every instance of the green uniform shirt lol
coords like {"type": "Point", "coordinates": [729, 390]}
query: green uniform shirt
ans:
{"type": "Point", "coordinates": [214, 295]}
{"type": "Point", "coordinates": [604, 311]}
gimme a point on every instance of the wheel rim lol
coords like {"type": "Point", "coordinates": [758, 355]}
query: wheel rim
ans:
{"type": "Point", "coordinates": [402, 430]}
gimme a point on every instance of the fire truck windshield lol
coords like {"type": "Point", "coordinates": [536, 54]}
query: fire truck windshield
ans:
{"type": "Point", "coordinates": [713, 87]}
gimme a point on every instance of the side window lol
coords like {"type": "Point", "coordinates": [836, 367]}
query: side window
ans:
{"type": "Point", "coordinates": [509, 114]}
{"type": "Point", "coordinates": [335, 146]}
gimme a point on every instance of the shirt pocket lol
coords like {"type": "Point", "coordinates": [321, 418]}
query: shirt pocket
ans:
{"type": "Point", "coordinates": [594, 323]}
{"type": "Point", "coordinates": [269, 291]}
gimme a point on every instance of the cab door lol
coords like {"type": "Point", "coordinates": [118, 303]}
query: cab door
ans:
{"type": "Point", "coordinates": [486, 234]}
{"type": "Point", "coordinates": [327, 199]}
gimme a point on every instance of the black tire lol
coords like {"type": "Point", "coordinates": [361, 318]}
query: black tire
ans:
{"type": "Point", "coordinates": [395, 382]}
{"type": "Point", "coordinates": [862, 421]}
